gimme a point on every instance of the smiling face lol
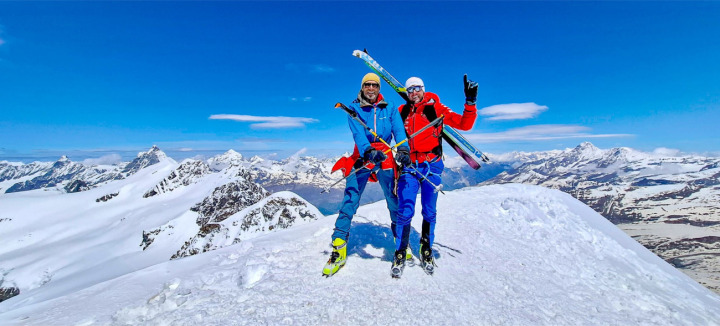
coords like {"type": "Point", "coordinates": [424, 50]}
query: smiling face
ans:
{"type": "Point", "coordinates": [416, 94]}
{"type": "Point", "coordinates": [370, 90]}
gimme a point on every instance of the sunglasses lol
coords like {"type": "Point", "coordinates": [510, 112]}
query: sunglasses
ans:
{"type": "Point", "coordinates": [368, 85]}
{"type": "Point", "coordinates": [413, 89]}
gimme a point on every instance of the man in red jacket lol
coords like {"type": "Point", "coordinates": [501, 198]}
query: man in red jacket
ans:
{"type": "Point", "coordinates": [422, 171]}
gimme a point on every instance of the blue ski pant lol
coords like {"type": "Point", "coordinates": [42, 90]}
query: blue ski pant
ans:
{"type": "Point", "coordinates": [354, 187]}
{"type": "Point", "coordinates": [409, 184]}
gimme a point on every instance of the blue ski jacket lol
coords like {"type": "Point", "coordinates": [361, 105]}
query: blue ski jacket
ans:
{"type": "Point", "coordinates": [381, 117]}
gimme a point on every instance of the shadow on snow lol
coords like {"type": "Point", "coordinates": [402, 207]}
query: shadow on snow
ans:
{"type": "Point", "coordinates": [365, 235]}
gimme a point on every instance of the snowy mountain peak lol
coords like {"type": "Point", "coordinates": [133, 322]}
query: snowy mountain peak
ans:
{"type": "Point", "coordinates": [587, 150]}
{"type": "Point", "coordinates": [621, 155]}
{"type": "Point", "coordinates": [225, 160]}
{"type": "Point", "coordinates": [63, 161]}
{"type": "Point", "coordinates": [144, 159]}
{"type": "Point", "coordinates": [232, 153]}
{"type": "Point", "coordinates": [154, 150]}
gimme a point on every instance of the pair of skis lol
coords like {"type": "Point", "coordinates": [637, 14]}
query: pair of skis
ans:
{"type": "Point", "coordinates": [462, 146]}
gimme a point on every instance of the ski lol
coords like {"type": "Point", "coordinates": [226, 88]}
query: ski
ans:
{"type": "Point", "coordinates": [462, 146]}
{"type": "Point", "coordinates": [384, 74]}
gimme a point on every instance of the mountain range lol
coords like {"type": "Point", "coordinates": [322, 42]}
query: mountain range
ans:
{"type": "Point", "coordinates": [670, 204]}
{"type": "Point", "coordinates": [306, 176]}
{"type": "Point", "coordinates": [129, 217]}
{"type": "Point", "coordinates": [667, 203]}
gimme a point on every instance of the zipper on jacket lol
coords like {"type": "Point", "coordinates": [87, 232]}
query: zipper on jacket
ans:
{"type": "Point", "coordinates": [375, 122]}
{"type": "Point", "coordinates": [413, 127]}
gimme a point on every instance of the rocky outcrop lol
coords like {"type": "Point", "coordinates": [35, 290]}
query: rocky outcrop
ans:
{"type": "Point", "coordinates": [77, 186]}
{"type": "Point", "coordinates": [8, 292]}
{"type": "Point", "coordinates": [106, 197]}
{"type": "Point", "coordinates": [277, 212]}
{"type": "Point", "coordinates": [228, 199]}
{"type": "Point", "coordinates": [189, 172]}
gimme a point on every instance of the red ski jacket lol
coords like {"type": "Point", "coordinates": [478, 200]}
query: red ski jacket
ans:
{"type": "Point", "coordinates": [426, 145]}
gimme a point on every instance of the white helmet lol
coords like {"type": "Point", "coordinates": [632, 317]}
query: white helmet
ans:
{"type": "Point", "coordinates": [414, 81]}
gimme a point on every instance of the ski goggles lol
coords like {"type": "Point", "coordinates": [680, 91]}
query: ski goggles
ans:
{"type": "Point", "coordinates": [370, 85]}
{"type": "Point", "coordinates": [412, 89]}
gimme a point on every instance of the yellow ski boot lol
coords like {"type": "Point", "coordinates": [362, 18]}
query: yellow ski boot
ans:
{"type": "Point", "coordinates": [337, 258]}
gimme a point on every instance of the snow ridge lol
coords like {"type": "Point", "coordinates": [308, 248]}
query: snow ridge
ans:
{"type": "Point", "coordinates": [669, 203]}
{"type": "Point", "coordinates": [520, 255]}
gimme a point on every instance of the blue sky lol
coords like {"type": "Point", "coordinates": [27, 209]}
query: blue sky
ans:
{"type": "Point", "coordinates": [100, 78]}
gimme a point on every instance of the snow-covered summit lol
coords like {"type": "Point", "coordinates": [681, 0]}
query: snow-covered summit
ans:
{"type": "Point", "coordinates": [518, 255]}
{"type": "Point", "coordinates": [153, 156]}
{"type": "Point", "coordinates": [229, 158]}
{"type": "Point", "coordinates": [586, 150]}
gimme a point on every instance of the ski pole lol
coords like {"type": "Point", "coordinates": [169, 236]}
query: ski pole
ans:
{"type": "Point", "coordinates": [436, 121]}
{"type": "Point", "coordinates": [355, 116]}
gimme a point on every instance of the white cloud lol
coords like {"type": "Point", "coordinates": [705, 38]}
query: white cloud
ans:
{"type": "Point", "coordinates": [309, 68]}
{"type": "Point", "coordinates": [104, 160]}
{"type": "Point", "coordinates": [663, 151]}
{"type": "Point", "coordinates": [323, 68]}
{"type": "Point", "coordinates": [512, 111]}
{"type": "Point", "coordinates": [266, 122]}
{"type": "Point", "coordinates": [304, 99]}
{"type": "Point", "coordinates": [251, 140]}
{"type": "Point", "coordinates": [297, 154]}
{"type": "Point", "coordinates": [2, 29]}
{"type": "Point", "coordinates": [539, 133]}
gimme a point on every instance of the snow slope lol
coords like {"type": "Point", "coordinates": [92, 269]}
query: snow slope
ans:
{"type": "Point", "coordinates": [54, 243]}
{"type": "Point", "coordinates": [518, 255]}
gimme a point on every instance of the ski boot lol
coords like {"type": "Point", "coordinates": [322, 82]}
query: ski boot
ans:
{"type": "Point", "coordinates": [409, 260]}
{"type": "Point", "coordinates": [427, 261]}
{"type": "Point", "coordinates": [398, 264]}
{"type": "Point", "coordinates": [337, 258]}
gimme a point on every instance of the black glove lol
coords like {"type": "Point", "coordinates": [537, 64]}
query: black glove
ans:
{"type": "Point", "coordinates": [403, 157]}
{"type": "Point", "coordinates": [375, 156]}
{"type": "Point", "coordinates": [471, 89]}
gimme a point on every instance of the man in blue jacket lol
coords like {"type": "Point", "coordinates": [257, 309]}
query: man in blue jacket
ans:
{"type": "Point", "coordinates": [385, 120]}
